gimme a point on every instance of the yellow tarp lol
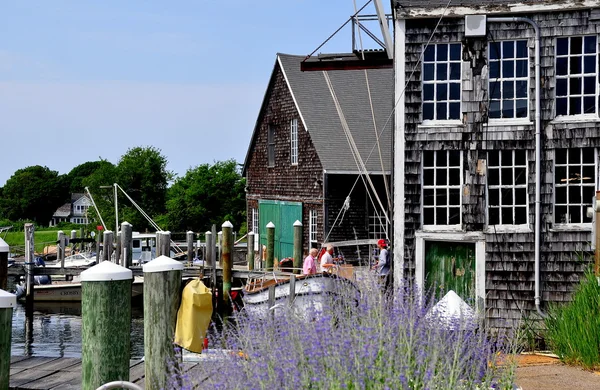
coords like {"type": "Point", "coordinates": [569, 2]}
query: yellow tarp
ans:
{"type": "Point", "coordinates": [193, 316]}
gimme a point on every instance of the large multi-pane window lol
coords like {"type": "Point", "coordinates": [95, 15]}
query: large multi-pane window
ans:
{"type": "Point", "coordinates": [576, 75]}
{"type": "Point", "coordinates": [271, 145]}
{"type": "Point", "coordinates": [294, 141]}
{"type": "Point", "coordinates": [255, 227]}
{"type": "Point", "coordinates": [312, 225]}
{"type": "Point", "coordinates": [441, 82]}
{"type": "Point", "coordinates": [377, 225]}
{"type": "Point", "coordinates": [574, 184]}
{"type": "Point", "coordinates": [442, 184]}
{"type": "Point", "coordinates": [507, 187]}
{"type": "Point", "coordinates": [508, 79]}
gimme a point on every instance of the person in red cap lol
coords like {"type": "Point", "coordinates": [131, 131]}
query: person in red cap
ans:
{"type": "Point", "coordinates": [383, 260]}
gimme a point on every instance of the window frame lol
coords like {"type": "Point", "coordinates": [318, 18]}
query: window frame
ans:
{"type": "Point", "coordinates": [377, 222]}
{"type": "Point", "coordinates": [270, 146]}
{"type": "Point", "coordinates": [569, 76]}
{"type": "Point", "coordinates": [435, 83]}
{"type": "Point", "coordinates": [502, 80]}
{"type": "Point", "coordinates": [294, 141]}
{"type": "Point", "coordinates": [312, 228]}
{"type": "Point", "coordinates": [513, 186]}
{"type": "Point", "coordinates": [448, 187]}
{"type": "Point", "coordinates": [568, 225]}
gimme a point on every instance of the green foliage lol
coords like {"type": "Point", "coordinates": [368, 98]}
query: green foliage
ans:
{"type": "Point", "coordinates": [33, 193]}
{"type": "Point", "coordinates": [104, 175]}
{"type": "Point", "coordinates": [142, 173]}
{"type": "Point", "coordinates": [76, 177]}
{"type": "Point", "coordinates": [573, 330]}
{"type": "Point", "coordinates": [206, 195]}
{"type": "Point", "coordinates": [16, 240]}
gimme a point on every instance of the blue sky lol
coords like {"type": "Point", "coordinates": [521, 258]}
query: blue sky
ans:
{"type": "Point", "coordinates": [83, 80]}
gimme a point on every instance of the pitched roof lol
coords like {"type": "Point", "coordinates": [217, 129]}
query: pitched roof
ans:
{"type": "Point", "coordinates": [63, 211]}
{"type": "Point", "coordinates": [320, 117]}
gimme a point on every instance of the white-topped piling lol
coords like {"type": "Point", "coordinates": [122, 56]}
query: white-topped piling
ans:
{"type": "Point", "coordinates": [7, 302]}
{"type": "Point", "coordinates": [4, 251]}
{"type": "Point", "coordinates": [162, 295]}
{"type": "Point", "coordinates": [106, 324]}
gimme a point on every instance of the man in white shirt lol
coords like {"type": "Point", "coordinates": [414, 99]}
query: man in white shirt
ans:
{"type": "Point", "coordinates": [327, 259]}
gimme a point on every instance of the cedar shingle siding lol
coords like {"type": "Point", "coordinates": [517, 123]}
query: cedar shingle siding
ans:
{"type": "Point", "coordinates": [509, 257]}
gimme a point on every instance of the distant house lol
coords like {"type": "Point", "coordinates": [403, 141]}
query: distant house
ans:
{"type": "Point", "coordinates": [306, 163]}
{"type": "Point", "coordinates": [497, 146]}
{"type": "Point", "coordinates": [73, 212]}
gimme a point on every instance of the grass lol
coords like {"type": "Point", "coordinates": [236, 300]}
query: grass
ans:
{"type": "Point", "coordinates": [374, 342]}
{"type": "Point", "coordinates": [573, 330]}
{"type": "Point", "coordinates": [42, 238]}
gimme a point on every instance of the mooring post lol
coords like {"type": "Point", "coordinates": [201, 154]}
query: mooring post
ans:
{"type": "Point", "coordinates": [270, 246]}
{"type": "Point", "coordinates": [4, 251]}
{"type": "Point", "coordinates": [60, 249]}
{"type": "Point", "coordinates": [73, 236]}
{"type": "Point", "coordinates": [107, 245]}
{"type": "Point", "coordinates": [163, 243]}
{"type": "Point", "coordinates": [227, 255]}
{"type": "Point", "coordinates": [29, 261]}
{"type": "Point", "coordinates": [126, 244]}
{"type": "Point", "coordinates": [297, 247]}
{"type": "Point", "coordinates": [250, 248]}
{"type": "Point", "coordinates": [162, 283]}
{"type": "Point", "coordinates": [220, 247]}
{"type": "Point", "coordinates": [117, 259]}
{"type": "Point", "coordinates": [190, 246]}
{"type": "Point", "coordinates": [7, 303]}
{"type": "Point", "coordinates": [98, 241]}
{"type": "Point", "coordinates": [106, 324]}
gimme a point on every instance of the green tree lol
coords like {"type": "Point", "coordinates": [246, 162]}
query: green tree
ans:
{"type": "Point", "coordinates": [142, 173]}
{"type": "Point", "coordinates": [104, 175]}
{"type": "Point", "coordinates": [207, 195]}
{"type": "Point", "coordinates": [78, 174]}
{"type": "Point", "coordinates": [33, 193]}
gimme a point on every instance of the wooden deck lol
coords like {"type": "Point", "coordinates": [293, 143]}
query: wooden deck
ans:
{"type": "Point", "coordinates": [47, 373]}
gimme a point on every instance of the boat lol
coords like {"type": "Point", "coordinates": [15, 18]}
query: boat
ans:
{"type": "Point", "coordinates": [312, 293]}
{"type": "Point", "coordinates": [78, 260]}
{"type": "Point", "coordinates": [67, 291]}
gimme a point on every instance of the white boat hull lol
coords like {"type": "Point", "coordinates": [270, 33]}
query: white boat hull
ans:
{"type": "Point", "coordinates": [312, 295]}
{"type": "Point", "coordinates": [71, 292]}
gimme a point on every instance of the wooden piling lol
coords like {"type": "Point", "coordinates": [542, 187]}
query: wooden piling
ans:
{"type": "Point", "coordinates": [98, 241]}
{"type": "Point", "coordinates": [297, 247]}
{"type": "Point", "coordinates": [220, 248]}
{"type": "Point", "coordinates": [227, 256]}
{"type": "Point", "coordinates": [190, 246]}
{"type": "Point", "coordinates": [250, 247]}
{"type": "Point", "coordinates": [73, 236]}
{"type": "Point", "coordinates": [107, 245]}
{"type": "Point", "coordinates": [162, 283]}
{"type": "Point", "coordinates": [106, 324]}
{"type": "Point", "coordinates": [270, 246]}
{"type": "Point", "coordinates": [61, 248]}
{"type": "Point", "coordinates": [126, 244]}
{"type": "Point", "coordinates": [117, 259]}
{"type": "Point", "coordinates": [163, 243]}
{"type": "Point", "coordinates": [7, 303]}
{"type": "Point", "coordinates": [29, 261]}
{"type": "Point", "coordinates": [4, 251]}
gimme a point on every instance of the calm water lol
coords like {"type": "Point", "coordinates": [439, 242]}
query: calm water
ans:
{"type": "Point", "coordinates": [55, 330]}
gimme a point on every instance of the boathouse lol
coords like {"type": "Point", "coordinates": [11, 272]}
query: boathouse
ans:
{"type": "Point", "coordinates": [321, 153]}
{"type": "Point", "coordinates": [496, 149]}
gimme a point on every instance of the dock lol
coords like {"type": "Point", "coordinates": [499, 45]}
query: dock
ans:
{"type": "Point", "coordinates": [55, 373]}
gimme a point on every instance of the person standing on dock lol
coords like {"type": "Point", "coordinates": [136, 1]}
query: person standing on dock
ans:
{"type": "Point", "coordinates": [327, 259]}
{"type": "Point", "coordinates": [382, 266]}
{"type": "Point", "coordinates": [309, 267]}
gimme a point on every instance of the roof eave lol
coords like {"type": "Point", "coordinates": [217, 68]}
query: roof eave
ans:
{"type": "Point", "coordinates": [490, 9]}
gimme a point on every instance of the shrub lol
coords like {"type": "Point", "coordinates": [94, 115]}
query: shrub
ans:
{"type": "Point", "coordinates": [376, 342]}
{"type": "Point", "coordinates": [573, 330]}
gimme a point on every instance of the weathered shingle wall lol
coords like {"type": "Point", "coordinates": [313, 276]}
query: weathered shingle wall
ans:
{"type": "Point", "coordinates": [509, 256]}
{"type": "Point", "coordinates": [284, 181]}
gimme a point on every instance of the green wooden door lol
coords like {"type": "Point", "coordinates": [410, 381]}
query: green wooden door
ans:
{"type": "Point", "coordinates": [283, 215]}
{"type": "Point", "coordinates": [450, 266]}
